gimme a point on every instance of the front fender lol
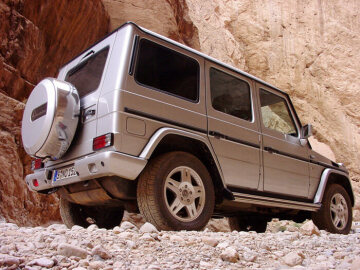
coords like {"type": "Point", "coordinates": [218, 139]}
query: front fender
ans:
{"type": "Point", "coordinates": [324, 181]}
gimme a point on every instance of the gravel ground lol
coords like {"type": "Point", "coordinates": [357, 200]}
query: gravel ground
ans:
{"type": "Point", "coordinates": [127, 247]}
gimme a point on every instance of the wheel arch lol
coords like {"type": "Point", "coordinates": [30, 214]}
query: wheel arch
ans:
{"type": "Point", "coordinates": [331, 176]}
{"type": "Point", "coordinates": [167, 140]}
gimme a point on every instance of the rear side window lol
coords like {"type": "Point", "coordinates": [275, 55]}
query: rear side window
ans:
{"type": "Point", "coordinates": [166, 70]}
{"type": "Point", "coordinates": [86, 76]}
{"type": "Point", "coordinates": [230, 95]}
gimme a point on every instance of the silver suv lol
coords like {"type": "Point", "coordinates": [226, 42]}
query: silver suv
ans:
{"type": "Point", "coordinates": [139, 122]}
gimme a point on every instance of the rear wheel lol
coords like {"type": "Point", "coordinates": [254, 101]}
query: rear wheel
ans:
{"type": "Point", "coordinates": [175, 192]}
{"type": "Point", "coordinates": [335, 215]}
{"type": "Point", "coordinates": [247, 224]}
{"type": "Point", "coordinates": [76, 214]}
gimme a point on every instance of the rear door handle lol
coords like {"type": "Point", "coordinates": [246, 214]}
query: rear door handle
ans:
{"type": "Point", "coordinates": [216, 134]}
{"type": "Point", "coordinates": [271, 150]}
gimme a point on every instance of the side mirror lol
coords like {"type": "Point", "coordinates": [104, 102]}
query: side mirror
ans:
{"type": "Point", "coordinates": [306, 132]}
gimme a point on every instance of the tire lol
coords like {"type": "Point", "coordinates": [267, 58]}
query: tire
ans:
{"type": "Point", "coordinates": [75, 214]}
{"type": "Point", "coordinates": [247, 224]}
{"type": "Point", "coordinates": [183, 202]}
{"type": "Point", "coordinates": [335, 215]}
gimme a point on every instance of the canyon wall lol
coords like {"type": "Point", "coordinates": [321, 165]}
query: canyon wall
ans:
{"type": "Point", "coordinates": [310, 49]}
{"type": "Point", "coordinates": [36, 38]}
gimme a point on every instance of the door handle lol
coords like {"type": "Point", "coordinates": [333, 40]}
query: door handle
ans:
{"type": "Point", "coordinates": [271, 150]}
{"type": "Point", "coordinates": [216, 134]}
{"type": "Point", "coordinates": [88, 113]}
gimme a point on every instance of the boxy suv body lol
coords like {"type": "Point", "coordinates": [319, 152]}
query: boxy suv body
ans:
{"type": "Point", "coordinates": [140, 122]}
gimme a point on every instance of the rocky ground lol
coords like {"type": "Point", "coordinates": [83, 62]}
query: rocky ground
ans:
{"type": "Point", "coordinates": [130, 247]}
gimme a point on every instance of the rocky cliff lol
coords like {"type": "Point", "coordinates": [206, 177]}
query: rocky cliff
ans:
{"type": "Point", "coordinates": [36, 38]}
{"type": "Point", "coordinates": [310, 49]}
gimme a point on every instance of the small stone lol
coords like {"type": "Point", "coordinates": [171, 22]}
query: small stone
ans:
{"type": "Point", "coordinates": [176, 238]}
{"type": "Point", "coordinates": [223, 245]}
{"type": "Point", "coordinates": [321, 258]}
{"type": "Point", "coordinates": [293, 258]}
{"type": "Point", "coordinates": [101, 251]}
{"type": "Point", "coordinates": [309, 228]}
{"type": "Point", "coordinates": [92, 227]}
{"type": "Point", "coordinates": [79, 268]}
{"type": "Point", "coordinates": [154, 267]}
{"type": "Point", "coordinates": [76, 228]}
{"type": "Point", "coordinates": [7, 260]}
{"type": "Point", "coordinates": [43, 262]}
{"type": "Point", "coordinates": [70, 250]}
{"type": "Point", "coordinates": [355, 264]}
{"type": "Point", "coordinates": [116, 230]}
{"type": "Point", "coordinates": [147, 237]}
{"type": "Point", "coordinates": [126, 235]}
{"type": "Point", "coordinates": [148, 228]}
{"type": "Point", "coordinates": [339, 255]}
{"type": "Point", "coordinates": [96, 265]}
{"type": "Point", "coordinates": [84, 262]}
{"type": "Point", "coordinates": [205, 265]}
{"type": "Point", "coordinates": [210, 241]}
{"type": "Point", "coordinates": [126, 225]}
{"type": "Point", "coordinates": [130, 244]}
{"type": "Point", "coordinates": [249, 256]}
{"type": "Point", "coordinates": [230, 255]}
{"type": "Point", "coordinates": [279, 254]}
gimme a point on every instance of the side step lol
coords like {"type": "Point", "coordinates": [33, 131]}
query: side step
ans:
{"type": "Point", "coordinates": [274, 202]}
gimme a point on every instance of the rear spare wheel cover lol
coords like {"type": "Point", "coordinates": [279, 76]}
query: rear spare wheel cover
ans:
{"type": "Point", "coordinates": [50, 119]}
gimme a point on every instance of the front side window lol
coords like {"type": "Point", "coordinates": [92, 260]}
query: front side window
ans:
{"type": "Point", "coordinates": [276, 114]}
{"type": "Point", "coordinates": [230, 95]}
{"type": "Point", "coordinates": [166, 70]}
{"type": "Point", "coordinates": [86, 76]}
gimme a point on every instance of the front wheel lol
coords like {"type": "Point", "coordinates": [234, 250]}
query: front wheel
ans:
{"type": "Point", "coordinates": [76, 214]}
{"type": "Point", "coordinates": [335, 215]}
{"type": "Point", "coordinates": [175, 192]}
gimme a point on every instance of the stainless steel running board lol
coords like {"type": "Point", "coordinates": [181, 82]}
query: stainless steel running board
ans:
{"type": "Point", "coordinates": [274, 202]}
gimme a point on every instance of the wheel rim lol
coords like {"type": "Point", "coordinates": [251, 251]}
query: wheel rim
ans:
{"type": "Point", "coordinates": [184, 194]}
{"type": "Point", "coordinates": [339, 211]}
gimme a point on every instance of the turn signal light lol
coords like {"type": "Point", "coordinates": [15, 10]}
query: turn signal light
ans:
{"type": "Point", "coordinates": [103, 141]}
{"type": "Point", "coordinates": [37, 164]}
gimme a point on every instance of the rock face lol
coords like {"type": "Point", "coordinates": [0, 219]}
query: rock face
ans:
{"type": "Point", "coordinates": [36, 38]}
{"type": "Point", "coordinates": [308, 49]}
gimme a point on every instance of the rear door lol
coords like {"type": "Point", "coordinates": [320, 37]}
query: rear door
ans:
{"type": "Point", "coordinates": [86, 72]}
{"type": "Point", "coordinates": [286, 161]}
{"type": "Point", "coordinates": [233, 126]}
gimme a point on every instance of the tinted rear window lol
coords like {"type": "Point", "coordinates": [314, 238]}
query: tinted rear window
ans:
{"type": "Point", "coordinates": [86, 76]}
{"type": "Point", "coordinates": [166, 70]}
{"type": "Point", "coordinates": [230, 95]}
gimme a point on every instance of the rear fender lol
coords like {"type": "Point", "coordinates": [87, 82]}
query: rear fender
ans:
{"type": "Point", "coordinates": [162, 132]}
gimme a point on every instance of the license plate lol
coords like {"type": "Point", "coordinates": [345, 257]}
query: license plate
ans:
{"type": "Point", "coordinates": [64, 173]}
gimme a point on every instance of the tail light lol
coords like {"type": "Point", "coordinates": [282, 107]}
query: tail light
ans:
{"type": "Point", "coordinates": [35, 183]}
{"type": "Point", "coordinates": [37, 164]}
{"type": "Point", "coordinates": [103, 141]}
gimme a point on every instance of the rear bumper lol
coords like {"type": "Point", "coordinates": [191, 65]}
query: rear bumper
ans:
{"type": "Point", "coordinates": [89, 167]}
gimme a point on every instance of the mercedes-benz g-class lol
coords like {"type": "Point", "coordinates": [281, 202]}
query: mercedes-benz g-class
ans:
{"type": "Point", "coordinates": [139, 122]}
